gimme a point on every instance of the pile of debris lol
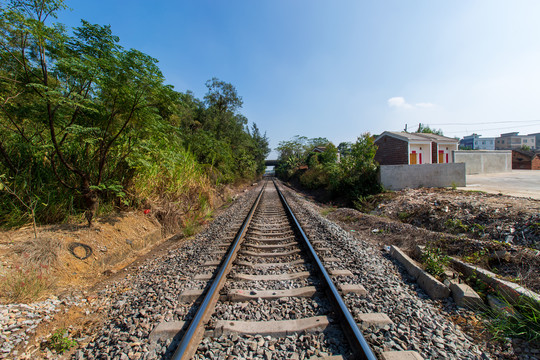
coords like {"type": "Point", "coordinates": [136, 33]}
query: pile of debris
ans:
{"type": "Point", "coordinates": [477, 215]}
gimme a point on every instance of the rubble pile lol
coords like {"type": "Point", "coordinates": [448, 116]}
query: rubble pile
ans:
{"type": "Point", "coordinates": [474, 214]}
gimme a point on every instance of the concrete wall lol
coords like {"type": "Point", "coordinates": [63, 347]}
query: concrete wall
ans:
{"type": "Point", "coordinates": [484, 161]}
{"type": "Point", "coordinates": [395, 177]}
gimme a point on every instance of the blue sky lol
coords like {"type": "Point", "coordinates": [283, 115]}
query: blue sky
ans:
{"type": "Point", "coordinates": [337, 69]}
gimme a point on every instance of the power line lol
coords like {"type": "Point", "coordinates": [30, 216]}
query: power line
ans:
{"type": "Point", "coordinates": [479, 130]}
{"type": "Point", "coordinates": [485, 123]}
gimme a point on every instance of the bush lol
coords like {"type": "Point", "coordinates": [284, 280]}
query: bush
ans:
{"type": "Point", "coordinates": [314, 178]}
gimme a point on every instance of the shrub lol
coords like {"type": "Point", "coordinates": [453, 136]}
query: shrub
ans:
{"type": "Point", "coordinates": [314, 178]}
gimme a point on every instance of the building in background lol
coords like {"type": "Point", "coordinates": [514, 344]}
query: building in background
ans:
{"type": "Point", "coordinates": [484, 143]}
{"type": "Point", "coordinates": [536, 139]}
{"type": "Point", "coordinates": [467, 143]}
{"type": "Point", "coordinates": [512, 140]}
{"type": "Point", "coordinates": [403, 148]}
{"type": "Point", "coordinates": [476, 142]}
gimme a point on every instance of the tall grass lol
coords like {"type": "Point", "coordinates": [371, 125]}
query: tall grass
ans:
{"type": "Point", "coordinates": [177, 187]}
{"type": "Point", "coordinates": [523, 322]}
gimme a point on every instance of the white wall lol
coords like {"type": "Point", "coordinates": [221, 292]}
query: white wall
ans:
{"type": "Point", "coordinates": [396, 177]}
{"type": "Point", "coordinates": [484, 161]}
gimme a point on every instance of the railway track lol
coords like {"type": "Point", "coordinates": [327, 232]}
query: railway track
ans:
{"type": "Point", "coordinates": [273, 289]}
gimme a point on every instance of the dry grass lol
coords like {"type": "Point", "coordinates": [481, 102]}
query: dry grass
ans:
{"type": "Point", "coordinates": [23, 285]}
{"type": "Point", "coordinates": [30, 281]}
{"type": "Point", "coordinates": [42, 251]}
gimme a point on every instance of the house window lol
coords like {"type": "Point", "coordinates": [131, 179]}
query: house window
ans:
{"type": "Point", "coordinates": [524, 140]}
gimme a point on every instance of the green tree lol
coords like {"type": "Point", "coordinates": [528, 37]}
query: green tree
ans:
{"type": "Point", "coordinates": [329, 155]}
{"type": "Point", "coordinates": [261, 148]}
{"type": "Point", "coordinates": [427, 130]}
{"type": "Point", "coordinates": [77, 100]}
{"type": "Point", "coordinates": [344, 148]}
{"type": "Point", "coordinates": [356, 174]}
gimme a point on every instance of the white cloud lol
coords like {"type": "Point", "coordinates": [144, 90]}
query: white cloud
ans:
{"type": "Point", "coordinates": [400, 103]}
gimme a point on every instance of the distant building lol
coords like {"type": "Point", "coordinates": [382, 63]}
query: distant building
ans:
{"type": "Point", "coordinates": [536, 140]}
{"type": "Point", "coordinates": [484, 143]}
{"type": "Point", "coordinates": [402, 148]}
{"type": "Point", "coordinates": [468, 142]}
{"type": "Point", "coordinates": [510, 141]}
{"type": "Point", "coordinates": [476, 142]}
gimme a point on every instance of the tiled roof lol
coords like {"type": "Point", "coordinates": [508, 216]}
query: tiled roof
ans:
{"type": "Point", "coordinates": [420, 137]}
{"type": "Point", "coordinates": [436, 137]}
{"type": "Point", "coordinates": [405, 135]}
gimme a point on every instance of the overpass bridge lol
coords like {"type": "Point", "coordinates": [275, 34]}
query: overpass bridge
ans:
{"type": "Point", "coordinates": [270, 162]}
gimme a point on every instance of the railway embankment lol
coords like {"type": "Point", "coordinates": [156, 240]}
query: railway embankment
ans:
{"type": "Point", "coordinates": [116, 320]}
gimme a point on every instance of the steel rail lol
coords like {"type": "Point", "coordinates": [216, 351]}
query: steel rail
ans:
{"type": "Point", "coordinates": [192, 337]}
{"type": "Point", "coordinates": [357, 341]}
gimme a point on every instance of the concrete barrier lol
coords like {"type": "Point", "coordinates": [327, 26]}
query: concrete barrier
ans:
{"type": "Point", "coordinates": [509, 290]}
{"type": "Point", "coordinates": [433, 287]}
{"type": "Point", "coordinates": [484, 161]}
{"type": "Point", "coordinates": [396, 177]}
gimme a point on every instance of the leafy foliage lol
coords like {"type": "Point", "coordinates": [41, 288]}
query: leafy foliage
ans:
{"type": "Point", "coordinates": [353, 177]}
{"type": "Point", "coordinates": [427, 130]}
{"type": "Point", "coordinates": [85, 122]}
{"type": "Point", "coordinates": [60, 342]}
{"type": "Point", "coordinates": [434, 260]}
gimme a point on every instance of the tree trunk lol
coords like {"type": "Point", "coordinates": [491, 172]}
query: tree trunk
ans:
{"type": "Point", "coordinates": [91, 201]}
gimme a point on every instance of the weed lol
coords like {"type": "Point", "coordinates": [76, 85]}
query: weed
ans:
{"type": "Point", "coordinates": [40, 251]}
{"type": "Point", "coordinates": [327, 210]}
{"type": "Point", "coordinates": [477, 228]}
{"type": "Point", "coordinates": [404, 216]}
{"type": "Point", "coordinates": [25, 285]}
{"type": "Point", "coordinates": [479, 286]}
{"type": "Point", "coordinates": [434, 260]}
{"type": "Point", "coordinates": [60, 341]}
{"type": "Point", "coordinates": [535, 228]}
{"type": "Point", "coordinates": [365, 203]}
{"type": "Point", "coordinates": [454, 186]}
{"type": "Point", "coordinates": [524, 322]}
{"type": "Point", "coordinates": [191, 224]}
{"type": "Point", "coordinates": [455, 225]}
{"type": "Point", "coordinates": [476, 257]}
